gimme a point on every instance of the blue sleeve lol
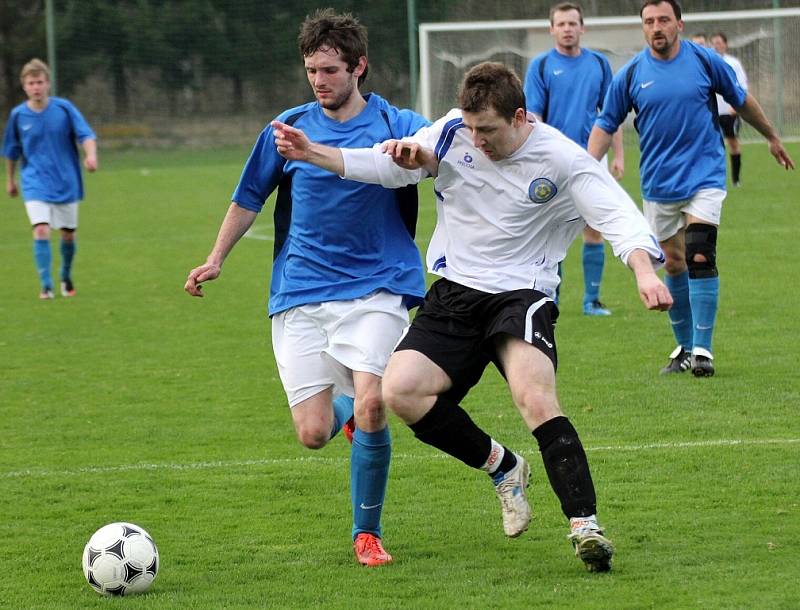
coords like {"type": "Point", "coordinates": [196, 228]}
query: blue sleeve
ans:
{"type": "Point", "coordinates": [409, 122]}
{"type": "Point", "coordinates": [261, 174]}
{"type": "Point", "coordinates": [617, 103]}
{"type": "Point", "coordinates": [80, 127]}
{"type": "Point", "coordinates": [535, 90]}
{"type": "Point", "coordinates": [12, 147]}
{"type": "Point", "coordinates": [724, 81]}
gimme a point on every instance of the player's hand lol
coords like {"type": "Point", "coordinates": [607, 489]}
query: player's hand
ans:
{"type": "Point", "coordinates": [90, 163]}
{"type": "Point", "coordinates": [11, 188]}
{"type": "Point", "coordinates": [777, 150]}
{"type": "Point", "coordinates": [198, 275]}
{"type": "Point", "coordinates": [291, 142]}
{"type": "Point", "coordinates": [653, 292]}
{"type": "Point", "coordinates": [618, 168]}
{"type": "Point", "coordinates": [410, 155]}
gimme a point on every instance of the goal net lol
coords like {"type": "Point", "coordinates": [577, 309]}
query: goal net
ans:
{"type": "Point", "coordinates": [767, 42]}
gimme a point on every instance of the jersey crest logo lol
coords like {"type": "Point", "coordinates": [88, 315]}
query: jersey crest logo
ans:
{"type": "Point", "coordinates": [467, 162]}
{"type": "Point", "coordinates": [542, 190]}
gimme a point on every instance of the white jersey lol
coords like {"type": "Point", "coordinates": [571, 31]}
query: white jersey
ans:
{"type": "Point", "coordinates": [505, 225]}
{"type": "Point", "coordinates": [723, 106]}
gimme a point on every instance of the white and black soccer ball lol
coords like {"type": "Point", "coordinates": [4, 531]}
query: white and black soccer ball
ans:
{"type": "Point", "coordinates": [120, 559]}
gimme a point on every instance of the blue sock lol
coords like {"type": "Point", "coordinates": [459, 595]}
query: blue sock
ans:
{"type": "Point", "coordinates": [704, 296]}
{"type": "Point", "coordinates": [369, 472]}
{"type": "Point", "coordinates": [680, 314]}
{"type": "Point", "coordinates": [594, 259]}
{"type": "Point", "coordinates": [43, 258]}
{"type": "Point", "coordinates": [342, 411]}
{"type": "Point", "coordinates": [67, 253]}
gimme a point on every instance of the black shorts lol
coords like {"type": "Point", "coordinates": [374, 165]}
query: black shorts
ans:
{"type": "Point", "coordinates": [729, 125]}
{"type": "Point", "coordinates": [455, 327]}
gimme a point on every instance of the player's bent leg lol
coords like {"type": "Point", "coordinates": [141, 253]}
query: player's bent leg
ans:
{"type": "Point", "coordinates": [313, 419]}
{"type": "Point", "coordinates": [411, 385]}
{"type": "Point", "coordinates": [68, 248]}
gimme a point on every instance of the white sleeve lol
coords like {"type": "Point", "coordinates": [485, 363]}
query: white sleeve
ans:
{"type": "Point", "coordinates": [373, 166]}
{"type": "Point", "coordinates": [376, 167]}
{"type": "Point", "coordinates": [607, 208]}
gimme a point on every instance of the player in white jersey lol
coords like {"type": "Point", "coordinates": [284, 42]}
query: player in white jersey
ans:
{"type": "Point", "coordinates": [728, 119]}
{"type": "Point", "coordinates": [512, 195]}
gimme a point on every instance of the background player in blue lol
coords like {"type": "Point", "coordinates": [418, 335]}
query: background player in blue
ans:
{"type": "Point", "coordinates": [671, 85]}
{"type": "Point", "coordinates": [346, 268]}
{"type": "Point", "coordinates": [565, 87]}
{"type": "Point", "coordinates": [42, 132]}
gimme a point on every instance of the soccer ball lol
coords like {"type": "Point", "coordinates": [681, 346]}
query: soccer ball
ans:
{"type": "Point", "coordinates": [120, 559]}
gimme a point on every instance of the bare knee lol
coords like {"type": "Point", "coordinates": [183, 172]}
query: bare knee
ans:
{"type": "Point", "coordinates": [369, 410]}
{"type": "Point", "coordinates": [537, 404]}
{"type": "Point", "coordinates": [312, 437]}
{"type": "Point", "coordinates": [41, 231]}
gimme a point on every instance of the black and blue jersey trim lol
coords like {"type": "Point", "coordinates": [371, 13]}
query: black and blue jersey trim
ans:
{"type": "Point", "coordinates": [439, 263]}
{"type": "Point", "coordinates": [446, 137]}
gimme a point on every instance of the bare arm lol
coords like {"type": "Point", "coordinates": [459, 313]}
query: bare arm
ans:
{"type": "Point", "coordinates": [90, 154]}
{"type": "Point", "coordinates": [599, 142]}
{"type": "Point", "coordinates": [618, 162]}
{"type": "Point", "coordinates": [752, 112]}
{"type": "Point", "coordinates": [652, 291]}
{"type": "Point", "coordinates": [11, 185]}
{"type": "Point", "coordinates": [293, 144]}
{"type": "Point", "coordinates": [235, 224]}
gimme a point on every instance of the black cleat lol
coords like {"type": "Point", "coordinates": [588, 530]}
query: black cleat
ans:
{"type": "Point", "coordinates": [679, 361]}
{"type": "Point", "coordinates": [702, 366]}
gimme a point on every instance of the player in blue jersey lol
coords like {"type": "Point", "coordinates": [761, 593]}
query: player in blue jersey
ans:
{"type": "Point", "coordinates": [41, 134]}
{"type": "Point", "coordinates": [671, 85]}
{"type": "Point", "coordinates": [345, 270]}
{"type": "Point", "coordinates": [565, 87]}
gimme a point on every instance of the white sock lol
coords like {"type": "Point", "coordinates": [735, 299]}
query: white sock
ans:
{"type": "Point", "coordinates": [577, 523]}
{"type": "Point", "coordinates": [495, 457]}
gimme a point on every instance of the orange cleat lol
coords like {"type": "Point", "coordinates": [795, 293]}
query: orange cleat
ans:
{"type": "Point", "coordinates": [349, 429]}
{"type": "Point", "coordinates": [370, 551]}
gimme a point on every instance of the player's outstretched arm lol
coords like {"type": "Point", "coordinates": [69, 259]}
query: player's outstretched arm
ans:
{"type": "Point", "coordinates": [235, 224]}
{"type": "Point", "coordinates": [752, 112]}
{"type": "Point", "coordinates": [411, 155]}
{"type": "Point", "coordinates": [599, 142]}
{"type": "Point", "coordinates": [652, 291]}
{"type": "Point", "coordinates": [293, 144]}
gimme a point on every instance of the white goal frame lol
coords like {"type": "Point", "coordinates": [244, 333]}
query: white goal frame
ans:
{"type": "Point", "coordinates": [426, 29]}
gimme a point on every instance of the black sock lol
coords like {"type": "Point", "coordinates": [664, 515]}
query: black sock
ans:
{"type": "Point", "coordinates": [736, 166]}
{"type": "Point", "coordinates": [567, 468]}
{"type": "Point", "coordinates": [448, 427]}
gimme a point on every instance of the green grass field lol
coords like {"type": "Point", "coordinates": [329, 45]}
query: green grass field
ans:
{"type": "Point", "coordinates": [134, 402]}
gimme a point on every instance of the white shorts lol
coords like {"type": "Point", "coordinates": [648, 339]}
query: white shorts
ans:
{"type": "Point", "coordinates": [320, 345]}
{"type": "Point", "coordinates": [666, 219]}
{"type": "Point", "coordinates": [57, 215]}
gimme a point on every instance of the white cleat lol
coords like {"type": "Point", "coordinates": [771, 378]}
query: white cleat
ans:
{"type": "Point", "coordinates": [591, 546]}
{"type": "Point", "coordinates": [511, 491]}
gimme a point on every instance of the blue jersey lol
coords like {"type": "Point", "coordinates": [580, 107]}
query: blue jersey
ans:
{"type": "Point", "coordinates": [336, 239]}
{"type": "Point", "coordinates": [676, 117]}
{"type": "Point", "coordinates": [45, 141]}
{"type": "Point", "coordinates": [568, 91]}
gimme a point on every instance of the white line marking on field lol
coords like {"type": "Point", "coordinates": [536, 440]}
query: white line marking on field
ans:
{"type": "Point", "coordinates": [34, 472]}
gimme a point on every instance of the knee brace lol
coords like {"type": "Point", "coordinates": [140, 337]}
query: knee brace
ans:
{"type": "Point", "coordinates": [701, 239]}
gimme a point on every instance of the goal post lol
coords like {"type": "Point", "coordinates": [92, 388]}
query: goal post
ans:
{"type": "Point", "coordinates": [767, 42]}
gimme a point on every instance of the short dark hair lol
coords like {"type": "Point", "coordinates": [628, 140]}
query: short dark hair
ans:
{"type": "Point", "coordinates": [491, 84]}
{"type": "Point", "coordinates": [565, 6]}
{"type": "Point", "coordinates": [343, 33]}
{"type": "Point", "coordinates": [676, 8]}
{"type": "Point", "coordinates": [720, 35]}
